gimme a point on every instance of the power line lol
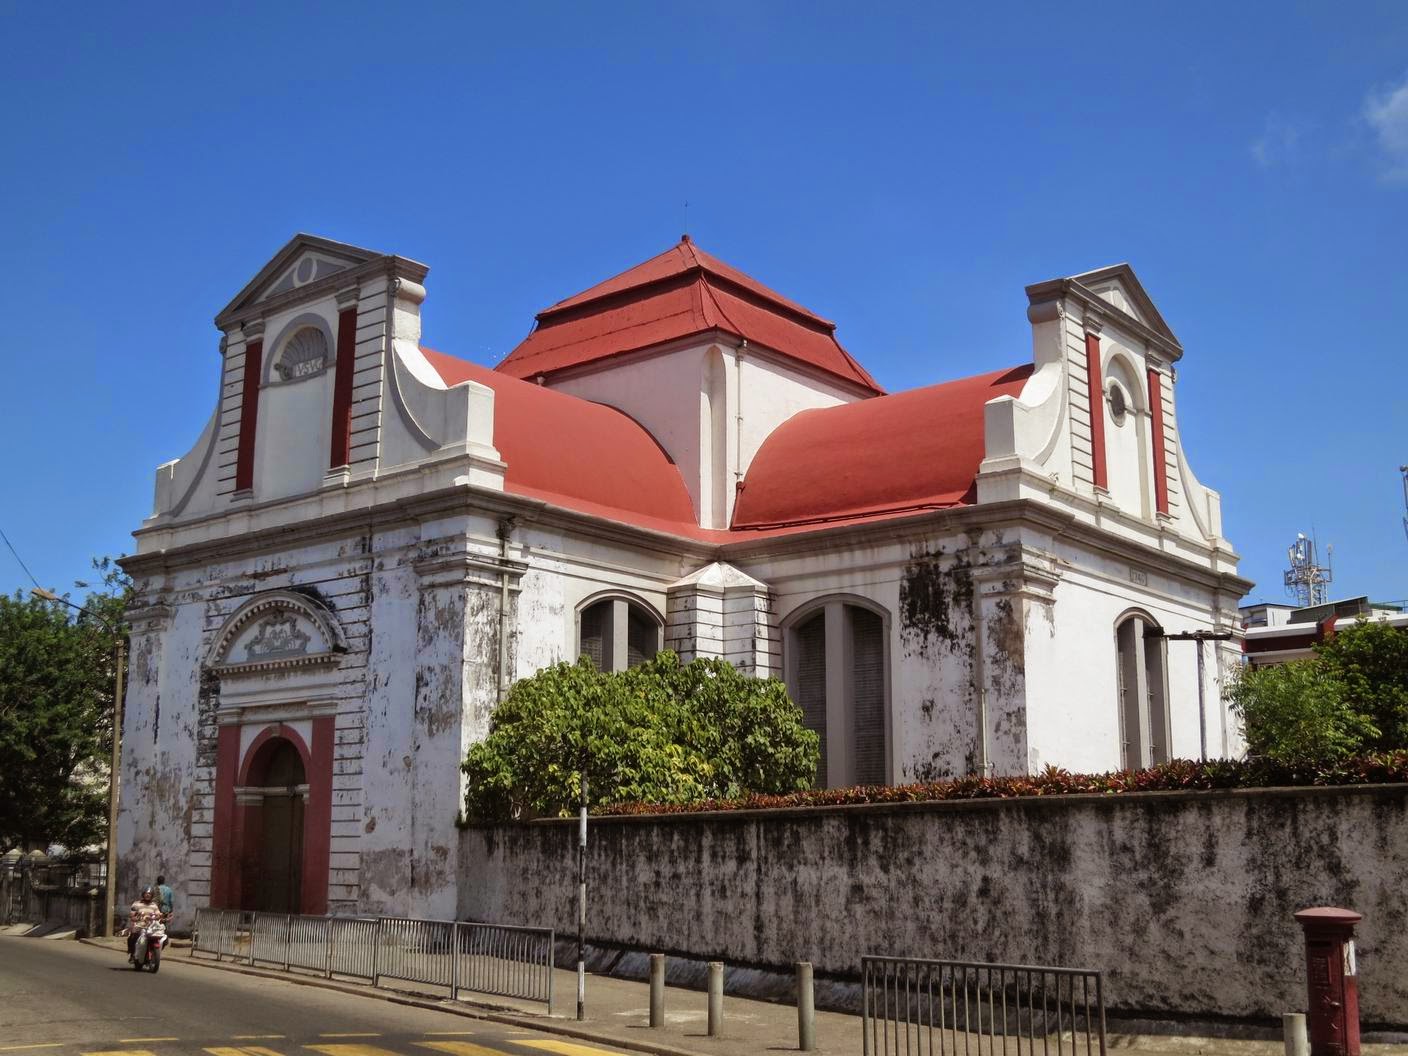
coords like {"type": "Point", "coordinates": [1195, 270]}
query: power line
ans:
{"type": "Point", "coordinates": [11, 545]}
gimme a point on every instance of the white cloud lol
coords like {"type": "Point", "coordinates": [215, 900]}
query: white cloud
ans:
{"type": "Point", "coordinates": [1278, 143]}
{"type": "Point", "coordinates": [1387, 113]}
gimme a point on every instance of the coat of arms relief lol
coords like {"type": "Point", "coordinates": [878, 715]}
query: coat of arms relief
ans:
{"type": "Point", "coordinates": [276, 638]}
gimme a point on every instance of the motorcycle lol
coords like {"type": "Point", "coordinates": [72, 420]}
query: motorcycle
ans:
{"type": "Point", "coordinates": [146, 952]}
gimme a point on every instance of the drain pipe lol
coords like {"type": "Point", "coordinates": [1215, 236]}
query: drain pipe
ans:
{"type": "Point", "coordinates": [506, 526]}
{"type": "Point", "coordinates": [981, 681]}
{"type": "Point", "coordinates": [738, 417]}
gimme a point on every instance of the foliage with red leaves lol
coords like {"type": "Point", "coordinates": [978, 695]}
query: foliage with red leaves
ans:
{"type": "Point", "coordinates": [1178, 775]}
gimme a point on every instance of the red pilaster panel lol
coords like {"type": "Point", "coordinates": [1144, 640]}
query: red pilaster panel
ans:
{"type": "Point", "coordinates": [317, 819]}
{"type": "Point", "coordinates": [224, 864]}
{"type": "Point", "coordinates": [1097, 410]}
{"type": "Point", "coordinates": [249, 415]}
{"type": "Point", "coordinates": [342, 388]}
{"type": "Point", "coordinates": [1156, 409]}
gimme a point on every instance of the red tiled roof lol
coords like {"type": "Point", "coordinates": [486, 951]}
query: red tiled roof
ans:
{"type": "Point", "coordinates": [680, 293]}
{"type": "Point", "coordinates": [895, 454]}
{"type": "Point", "coordinates": [575, 453]}
{"type": "Point", "coordinates": [855, 463]}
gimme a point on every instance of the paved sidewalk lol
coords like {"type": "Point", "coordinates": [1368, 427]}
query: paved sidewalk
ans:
{"type": "Point", "coordinates": [618, 1015]}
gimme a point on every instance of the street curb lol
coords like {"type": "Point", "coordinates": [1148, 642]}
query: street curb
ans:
{"type": "Point", "coordinates": [473, 1010]}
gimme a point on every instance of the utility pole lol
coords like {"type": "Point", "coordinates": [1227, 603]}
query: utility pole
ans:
{"type": "Point", "coordinates": [1200, 637]}
{"type": "Point", "coordinates": [582, 903]}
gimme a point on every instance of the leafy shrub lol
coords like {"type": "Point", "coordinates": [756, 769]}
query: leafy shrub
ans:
{"type": "Point", "coordinates": [662, 732]}
{"type": "Point", "coordinates": [1298, 713]}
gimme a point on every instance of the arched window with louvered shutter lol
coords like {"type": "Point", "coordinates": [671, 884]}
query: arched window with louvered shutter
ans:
{"type": "Point", "coordinates": [617, 632]}
{"type": "Point", "coordinates": [1142, 679]}
{"type": "Point", "coordinates": [809, 680]}
{"type": "Point", "coordinates": [595, 630]}
{"type": "Point", "coordinates": [837, 668]}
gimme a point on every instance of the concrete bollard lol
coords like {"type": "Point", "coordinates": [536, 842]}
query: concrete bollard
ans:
{"type": "Point", "coordinates": [716, 998]}
{"type": "Point", "coordinates": [1293, 1028]}
{"type": "Point", "coordinates": [657, 989]}
{"type": "Point", "coordinates": [806, 1008]}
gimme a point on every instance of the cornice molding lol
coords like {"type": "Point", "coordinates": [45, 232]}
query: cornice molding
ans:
{"type": "Point", "coordinates": [1072, 290]}
{"type": "Point", "coordinates": [390, 266]}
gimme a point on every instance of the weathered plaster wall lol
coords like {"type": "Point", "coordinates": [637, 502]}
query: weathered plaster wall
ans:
{"type": "Point", "coordinates": [414, 687]}
{"type": "Point", "coordinates": [1073, 704]}
{"type": "Point", "coordinates": [1183, 899]}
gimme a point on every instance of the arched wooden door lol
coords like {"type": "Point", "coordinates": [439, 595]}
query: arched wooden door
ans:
{"type": "Point", "coordinates": [283, 785]}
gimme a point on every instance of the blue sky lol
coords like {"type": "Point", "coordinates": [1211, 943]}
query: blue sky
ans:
{"type": "Point", "coordinates": [902, 169]}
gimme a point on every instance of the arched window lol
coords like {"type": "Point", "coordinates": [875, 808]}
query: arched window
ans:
{"type": "Point", "coordinates": [1141, 669]}
{"type": "Point", "coordinates": [617, 633]}
{"type": "Point", "coordinates": [837, 674]}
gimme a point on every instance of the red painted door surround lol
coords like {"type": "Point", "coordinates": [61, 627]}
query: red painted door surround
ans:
{"type": "Point", "coordinates": [238, 827]}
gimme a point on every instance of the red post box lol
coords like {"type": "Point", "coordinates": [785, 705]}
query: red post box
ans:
{"type": "Point", "coordinates": [1332, 1017]}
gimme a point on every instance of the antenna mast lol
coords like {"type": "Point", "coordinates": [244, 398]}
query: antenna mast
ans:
{"type": "Point", "coordinates": [1404, 471]}
{"type": "Point", "coordinates": [1307, 579]}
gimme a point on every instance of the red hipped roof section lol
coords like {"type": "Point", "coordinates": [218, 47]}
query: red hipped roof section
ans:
{"type": "Point", "coordinates": [575, 453]}
{"type": "Point", "coordinates": [681, 293]}
{"type": "Point", "coordinates": [895, 454]}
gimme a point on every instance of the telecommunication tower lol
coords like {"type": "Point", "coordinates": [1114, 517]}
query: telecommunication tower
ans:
{"type": "Point", "coordinates": [1404, 471]}
{"type": "Point", "coordinates": [1307, 579]}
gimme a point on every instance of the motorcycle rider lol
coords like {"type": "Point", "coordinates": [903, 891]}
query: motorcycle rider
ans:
{"type": "Point", "coordinates": [143, 912]}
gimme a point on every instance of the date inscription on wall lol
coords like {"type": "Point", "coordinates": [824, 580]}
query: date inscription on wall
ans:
{"type": "Point", "coordinates": [1138, 575]}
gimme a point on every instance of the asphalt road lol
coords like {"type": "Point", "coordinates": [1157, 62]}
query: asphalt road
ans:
{"type": "Point", "coordinates": [64, 998]}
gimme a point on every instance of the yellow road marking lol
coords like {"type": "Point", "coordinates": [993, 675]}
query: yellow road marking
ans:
{"type": "Point", "coordinates": [567, 1048]}
{"type": "Point", "coordinates": [120, 1052]}
{"type": "Point", "coordinates": [364, 1035]}
{"type": "Point", "coordinates": [457, 1048]}
{"type": "Point", "coordinates": [449, 1033]}
{"type": "Point", "coordinates": [350, 1050]}
{"type": "Point", "coordinates": [21, 1048]}
{"type": "Point", "coordinates": [134, 1041]}
{"type": "Point", "coordinates": [254, 1037]}
{"type": "Point", "coordinates": [248, 1050]}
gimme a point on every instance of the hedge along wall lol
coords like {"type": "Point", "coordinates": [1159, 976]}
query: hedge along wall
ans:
{"type": "Point", "coordinates": [1184, 899]}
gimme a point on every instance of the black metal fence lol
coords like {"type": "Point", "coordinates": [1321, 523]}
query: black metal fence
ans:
{"type": "Point", "coordinates": [913, 1007]}
{"type": "Point", "coordinates": [60, 892]}
{"type": "Point", "coordinates": [455, 955]}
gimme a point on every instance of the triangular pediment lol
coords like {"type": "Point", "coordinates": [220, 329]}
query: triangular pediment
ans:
{"type": "Point", "coordinates": [1121, 289]}
{"type": "Point", "coordinates": [305, 261]}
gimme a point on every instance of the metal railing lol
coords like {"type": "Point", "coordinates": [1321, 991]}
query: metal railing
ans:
{"type": "Point", "coordinates": [456, 955]}
{"type": "Point", "coordinates": [914, 1007]}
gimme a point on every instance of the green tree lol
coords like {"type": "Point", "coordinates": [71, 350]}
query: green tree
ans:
{"type": "Point", "coordinates": [662, 732]}
{"type": "Point", "coordinates": [56, 685]}
{"type": "Point", "coordinates": [1350, 698]}
{"type": "Point", "coordinates": [1369, 662]}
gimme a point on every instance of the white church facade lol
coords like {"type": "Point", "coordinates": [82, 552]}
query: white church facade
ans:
{"type": "Point", "coordinates": [371, 540]}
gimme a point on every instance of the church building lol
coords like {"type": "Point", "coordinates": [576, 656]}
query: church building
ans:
{"type": "Point", "coordinates": [372, 539]}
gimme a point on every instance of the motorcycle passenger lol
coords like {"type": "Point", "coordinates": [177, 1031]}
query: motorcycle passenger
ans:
{"type": "Point", "coordinates": [144, 911]}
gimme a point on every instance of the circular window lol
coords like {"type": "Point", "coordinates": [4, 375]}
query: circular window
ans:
{"type": "Point", "coordinates": [1119, 406]}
